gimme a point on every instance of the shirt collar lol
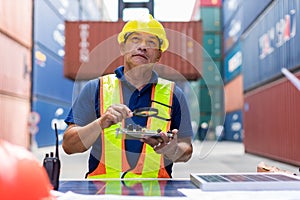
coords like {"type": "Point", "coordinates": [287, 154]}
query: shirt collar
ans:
{"type": "Point", "coordinates": [120, 75]}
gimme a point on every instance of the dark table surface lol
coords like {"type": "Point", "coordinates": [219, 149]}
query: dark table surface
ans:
{"type": "Point", "coordinates": [136, 187]}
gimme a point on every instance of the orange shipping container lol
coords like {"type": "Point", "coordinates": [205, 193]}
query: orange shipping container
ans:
{"type": "Point", "coordinates": [234, 97]}
{"type": "Point", "coordinates": [15, 68]}
{"type": "Point", "coordinates": [91, 50]}
{"type": "Point", "coordinates": [13, 120]}
{"type": "Point", "coordinates": [16, 20]}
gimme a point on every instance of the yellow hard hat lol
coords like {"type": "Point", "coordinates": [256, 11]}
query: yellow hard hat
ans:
{"type": "Point", "coordinates": [151, 26]}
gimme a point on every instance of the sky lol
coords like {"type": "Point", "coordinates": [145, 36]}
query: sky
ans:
{"type": "Point", "coordinates": [164, 10]}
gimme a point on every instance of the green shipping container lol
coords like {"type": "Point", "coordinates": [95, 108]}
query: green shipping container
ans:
{"type": "Point", "coordinates": [212, 45]}
{"type": "Point", "coordinates": [207, 94]}
{"type": "Point", "coordinates": [211, 18]}
{"type": "Point", "coordinates": [212, 73]}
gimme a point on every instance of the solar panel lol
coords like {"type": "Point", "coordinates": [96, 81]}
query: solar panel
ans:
{"type": "Point", "coordinates": [245, 181]}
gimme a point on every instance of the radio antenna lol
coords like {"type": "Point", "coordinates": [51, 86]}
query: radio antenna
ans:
{"type": "Point", "coordinates": [56, 144]}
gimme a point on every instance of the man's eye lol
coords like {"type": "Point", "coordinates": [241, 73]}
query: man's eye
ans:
{"type": "Point", "coordinates": [135, 39]}
{"type": "Point", "coordinates": [151, 42]}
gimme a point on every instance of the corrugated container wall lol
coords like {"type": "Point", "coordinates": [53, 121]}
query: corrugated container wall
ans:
{"type": "Point", "coordinates": [211, 84]}
{"type": "Point", "coordinates": [52, 93]}
{"type": "Point", "coordinates": [14, 119]}
{"type": "Point", "coordinates": [229, 9]}
{"type": "Point", "coordinates": [271, 121]}
{"type": "Point", "coordinates": [51, 112]}
{"type": "Point", "coordinates": [16, 20]}
{"type": "Point", "coordinates": [233, 126]}
{"type": "Point", "coordinates": [272, 43]}
{"type": "Point", "coordinates": [246, 14]}
{"type": "Point", "coordinates": [92, 50]}
{"type": "Point", "coordinates": [234, 99]}
{"type": "Point", "coordinates": [213, 3]}
{"type": "Point", "coordinates": [211, 19]}
{"type": "Point", "coordinates": [233, 63]}
{"type": "Point", "coordinates": [15, 55]}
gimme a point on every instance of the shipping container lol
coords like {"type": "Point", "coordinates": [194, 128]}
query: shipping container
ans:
{"type": "Point", "coordinates": [229, 9]}
{"type": "Point", "coordinates": [209, 3]}
{"type": "Point", "coordinates": [211, 127]}
{"type": "Point", "coordinates": [50, 112]}
{"type": "Point", "coordinates": [14, 119]}
{"type": "Point", "coordinates": [49, 28]}
{"type": "Point", "coordinates": [234, 97]}
{"type": "Point", "coordinates": [247, 13]}
{"type": "Point", "coordinates": [49, 81]}
{"type": "Point", "coordinates": [233, 63]}
{"type": "Point", "coordinates": [233, 30]}
{"type": "Point", "coordinates": [212, 73]}
{"type": "Point", "coordinates": [271, 121]}
{"type": "Point", "coordinates": [271, 44]}
{"type": "Point", "coordinates": [233, 126]}
{"type": "Point", "coordinates": [211, 99]}
{"type": "Point", "coordinates": [212, 45]}
{"type": "Point", "coordinates": [16, 20]}
{"type": "Point", "coordinates": [15, 70]}
{"type": "Point", "coordinates": [211, 19]}
{"type": "Point", "coordinates": [92, 49]}
{"type": "Point", "coordinates": [68, 9]}
{"type": "Point", "coordinates": [252, 10]}
{"type": "Point", "coordinates": [72, 10]}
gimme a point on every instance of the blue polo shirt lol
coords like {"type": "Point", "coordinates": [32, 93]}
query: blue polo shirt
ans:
{"type": "Point", "coordinates": [85, 109]}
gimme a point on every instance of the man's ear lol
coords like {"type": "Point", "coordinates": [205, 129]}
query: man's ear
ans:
{"type": "Point", "coordinates": [159, 54]}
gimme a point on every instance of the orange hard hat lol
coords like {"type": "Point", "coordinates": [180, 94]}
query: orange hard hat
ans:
{"type": "Point", "coordinates": [21, 175]}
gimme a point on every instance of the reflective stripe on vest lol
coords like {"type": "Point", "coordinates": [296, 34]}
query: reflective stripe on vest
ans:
{"type": "Point", "coordinates": [140, 187]}
{"type": "Point", "coordinates": [113, 158]}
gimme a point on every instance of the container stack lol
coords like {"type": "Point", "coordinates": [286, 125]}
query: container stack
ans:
{"type": "Point", "coordinates": [211, 89]}
{"type": "Point", "coordinates": [238, 16]}
{"type": "Point", "coordinates": [51, 91]}
{"type": "Point", "coordinates": [210, 84]}
{"type": "Point", "coordinates": [15, 70]}
{"type": "Point", "coordinates": [271, 104]}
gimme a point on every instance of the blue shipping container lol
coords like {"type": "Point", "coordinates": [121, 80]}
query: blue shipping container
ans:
{"type": "Point", "coordinates": [76, 10]}
{"type": "Point", "coordinates": [50, 113]}
{"type": "Point", "coordinates": [68, 9]}
{"type": "Point", "coordinates": [49, 27]}
{"type": "Point", "coordinates": [233, 126]}
{"type": "Point", "coordinates": [271, 44]}
{"type": "Point", "coordinates": [246, 14]}
{"type": "Point", "coordinates": [229, 8]}
{"type": "Point", "coordinates": [233, 63]}
{"type": "Point", "coordinates": [252, 10]}
{"type": "Point", "coordinates": [233, 30]}
{"type": "Point", "coordinates": [49, 80]}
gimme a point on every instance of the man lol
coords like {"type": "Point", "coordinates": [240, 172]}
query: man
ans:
{"type": "Point", "coordinates": [108, 103]}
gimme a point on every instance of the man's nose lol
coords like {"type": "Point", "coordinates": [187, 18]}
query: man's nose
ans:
{"type": "Point", "coordinates": [143, 45]}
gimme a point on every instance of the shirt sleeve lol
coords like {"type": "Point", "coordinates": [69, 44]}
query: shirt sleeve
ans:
{"type": "Point", "coordinates": [181, 118]}
{"type": "Point", "coordinates": [83, 109]}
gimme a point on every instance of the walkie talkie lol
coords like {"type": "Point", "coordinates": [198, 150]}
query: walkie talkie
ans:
{"type": "Point", "coordinates": [52, 164]}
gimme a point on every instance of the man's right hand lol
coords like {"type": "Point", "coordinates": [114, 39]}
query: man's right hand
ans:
{"type": "Point", "coordinates": [114, 114]}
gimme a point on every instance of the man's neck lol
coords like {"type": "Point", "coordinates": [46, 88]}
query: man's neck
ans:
{"type": "Point", "coordinates": [138, 78]}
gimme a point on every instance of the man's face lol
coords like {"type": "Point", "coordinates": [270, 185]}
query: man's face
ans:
{"type": "Point", "coordinates": [140, 48]}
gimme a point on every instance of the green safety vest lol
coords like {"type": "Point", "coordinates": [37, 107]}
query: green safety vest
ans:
{"type": "Point", "coordinates": [113, 160]}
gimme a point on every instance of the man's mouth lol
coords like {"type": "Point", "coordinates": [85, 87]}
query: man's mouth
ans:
{"type": "Point", "coordinates": [140, 55]}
